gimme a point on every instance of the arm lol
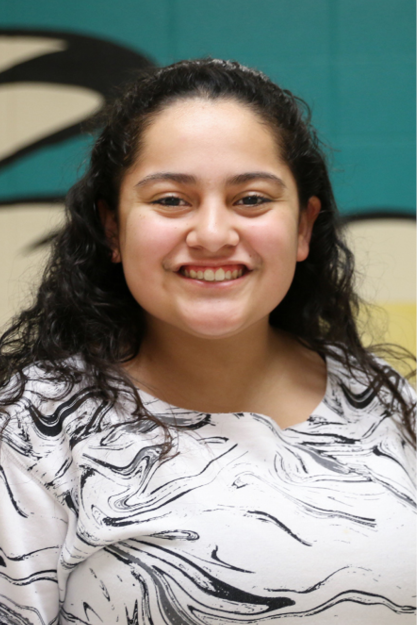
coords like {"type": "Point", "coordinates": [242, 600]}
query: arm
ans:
{"type": "Point", "coordinates": [32, 530]}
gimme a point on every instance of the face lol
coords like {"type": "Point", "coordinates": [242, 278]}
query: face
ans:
{"type": "Point", "coordinates": [209, 228]}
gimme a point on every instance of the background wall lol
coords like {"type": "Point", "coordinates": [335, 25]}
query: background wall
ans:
{"type": "Point", "coordinates": [353, 61]}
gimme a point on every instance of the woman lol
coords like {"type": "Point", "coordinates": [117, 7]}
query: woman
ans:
{"type": "Point", "coordinates": [193, 431]}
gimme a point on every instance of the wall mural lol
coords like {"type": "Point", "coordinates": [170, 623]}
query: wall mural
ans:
{"type": "Point", "coordinates": [51, 85]}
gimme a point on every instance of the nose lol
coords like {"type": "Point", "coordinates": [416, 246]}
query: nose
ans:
{"type": "Point", "coordinates": [213, 227]}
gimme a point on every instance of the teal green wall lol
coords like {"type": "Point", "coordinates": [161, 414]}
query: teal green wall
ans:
{"type": "Point", "coordinates": [352, 60]}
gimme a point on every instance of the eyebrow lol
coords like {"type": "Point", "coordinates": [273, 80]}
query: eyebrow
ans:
{"type": "Point", "coordinates": [181, 178]}
{"type": "Point", "coordinates": [188, 179]}
{"type": "Point", "coordinates": [255, 175]}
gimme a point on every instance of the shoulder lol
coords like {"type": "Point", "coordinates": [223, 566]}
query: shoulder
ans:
{"type": "Point", "coordinates": [51, 433]}
{"type": "Point", "coordinates": [378, 395]}
{"type": "Point", "coordinates": [52, 413]}
{"type": "Point", "coordinates": [356, 378]}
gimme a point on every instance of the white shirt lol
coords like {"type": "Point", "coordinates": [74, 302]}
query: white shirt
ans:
{"type": "Point", "coordinates": [242, 522]}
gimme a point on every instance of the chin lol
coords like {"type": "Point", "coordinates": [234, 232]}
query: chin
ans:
{"type": "Point", "coordinates": [214, 328]}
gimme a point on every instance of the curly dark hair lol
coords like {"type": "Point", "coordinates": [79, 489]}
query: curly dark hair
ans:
{"type": "Point", "coordinates": [83, 306]}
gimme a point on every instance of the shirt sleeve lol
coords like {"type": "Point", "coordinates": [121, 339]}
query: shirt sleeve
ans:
{"type": "Point", "coordinates": [32, 530]}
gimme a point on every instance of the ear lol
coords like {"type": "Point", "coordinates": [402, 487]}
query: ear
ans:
{"type": "Point", "coordinates": [111, 229]}
{"type": "Point", "coordinates": [305, 227]}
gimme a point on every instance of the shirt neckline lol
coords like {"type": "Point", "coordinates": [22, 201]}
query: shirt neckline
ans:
{"type": "Point", "coordinates": [166, 408]}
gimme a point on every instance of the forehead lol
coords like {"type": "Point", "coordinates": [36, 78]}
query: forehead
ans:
{"type": "Point", "coordinates": [214, 107]}
{"type": "Point", "coordinates": [201, 126]}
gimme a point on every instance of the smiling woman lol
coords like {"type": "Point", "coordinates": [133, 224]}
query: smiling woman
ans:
{"type": "Point", "coordinates": [189, 389]}
{"type": "Point", "coordinates": [209, 193]}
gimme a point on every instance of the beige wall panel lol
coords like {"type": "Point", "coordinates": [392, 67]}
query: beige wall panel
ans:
{"type": "Point", "coordinates": [385, 252]}
{"type": "Point", "coordinates": [29, 112]}
{"type": "Point", "coordinates": [20, 269]}
{"type": "Point", "coordinates": [14, 50]}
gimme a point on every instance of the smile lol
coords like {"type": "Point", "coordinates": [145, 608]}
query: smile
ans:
{"type": "Point", "coordinates": [213, 274]}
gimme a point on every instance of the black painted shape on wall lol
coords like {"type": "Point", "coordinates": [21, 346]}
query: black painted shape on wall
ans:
{"type": "Point", "coordinates": [87, 62]}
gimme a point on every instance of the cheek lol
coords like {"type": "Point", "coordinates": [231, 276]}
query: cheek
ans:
{"type": "Point", "coordinates": [277, 247]}
{"type": "Point", "coordinates": [146, 242]}
{"type": "Point", "coordinates": [275, 241]}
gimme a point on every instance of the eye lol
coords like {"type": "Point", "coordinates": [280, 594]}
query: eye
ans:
{"type": "Point", "coordinates": [253, 200]}
{"type": "Point", "coordinates": [170, 200]}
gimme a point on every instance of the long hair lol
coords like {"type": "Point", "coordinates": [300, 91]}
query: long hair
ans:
{"type": "Point", "coordinates": [83, 306]}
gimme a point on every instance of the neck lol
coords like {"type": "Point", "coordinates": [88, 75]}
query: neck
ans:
{"type": "Point", "coordinates": [213, 375]}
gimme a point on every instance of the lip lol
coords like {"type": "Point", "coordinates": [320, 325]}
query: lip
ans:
{"type": "Point", "coordinates": [228, 264]}
{"type": "Point", "coordinates": [236, 271]}
{"type": "Point", "coordinates": [224, 266]}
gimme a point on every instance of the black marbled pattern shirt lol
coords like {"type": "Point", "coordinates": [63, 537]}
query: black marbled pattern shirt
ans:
{"type": "Point", "coordinates": [242, 523]}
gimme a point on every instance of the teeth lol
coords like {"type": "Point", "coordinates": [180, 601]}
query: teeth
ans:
{"type": "Point", "coordinates": [209, 275]}
{"type": "Point", "coordinates": [219, 275]}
